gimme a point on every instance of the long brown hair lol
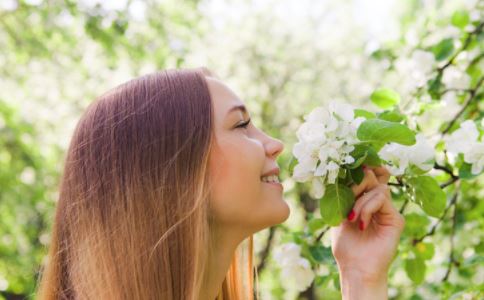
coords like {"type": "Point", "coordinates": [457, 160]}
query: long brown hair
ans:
{"type": "Point", "coordinates": [132, 219]}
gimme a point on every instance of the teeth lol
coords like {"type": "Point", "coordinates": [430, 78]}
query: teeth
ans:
{"type": "Point", "coordinates": [272, 178]}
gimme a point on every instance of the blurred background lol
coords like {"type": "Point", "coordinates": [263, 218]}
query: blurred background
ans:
{"type": "Point", "coordinates": [282, 58]}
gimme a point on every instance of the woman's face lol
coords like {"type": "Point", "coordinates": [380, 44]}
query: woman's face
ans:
{"type": "Point", "coordinates": [239, 158]}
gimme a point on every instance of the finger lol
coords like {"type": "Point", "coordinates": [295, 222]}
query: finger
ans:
{"type": "Point", "coordinates": [372, 206]}
{"type": "Point", "coordinates": [386, 213]}
{"type": "Point", "coordinates": [380, 203]}
{"type": "Point", "coordinates": [369, 182]}
{"type": "Point", "coordinates": [360, 202]}
{"type": "Point", "coordinates": [382, 174]}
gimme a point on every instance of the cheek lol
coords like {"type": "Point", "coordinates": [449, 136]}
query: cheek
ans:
{"type": "Point", "coordinates": [238, 196]}
{"type": "Point", "coordinates": [236, 188]}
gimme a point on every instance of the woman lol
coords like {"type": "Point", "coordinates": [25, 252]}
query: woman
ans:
{"type": "Point", "coordinates": [164, 178]}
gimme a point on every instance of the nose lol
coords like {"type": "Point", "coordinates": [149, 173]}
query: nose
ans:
{"type": "Point", "coordinates": [273, 147]}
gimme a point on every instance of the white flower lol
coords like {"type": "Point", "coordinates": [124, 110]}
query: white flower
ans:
{"type": "Point", "coordinates": [325, 141]}
{"type": "Point", "coordinates": [318, 187]}
{"type": "Point", "coordinates": [475, 156]}
{"type": "Point", "coordinates": [415, 70]}
{"type": "Point", "coordinates": [399, 157]}
{"type": "Point", "coordinates": [455, 78]}
{"type": "Point", "coordinates": [449, 106]}
{"type": "Point", "coordinates": [463, 139]}
{"type": "Point", "coordinates": [423, 61]}
{"type": "Point", "coordinates": [286, 253]}
{"type": "Point", "coordinates": [397, 163]}
{"type": "Point", "coordinates": [298, 275]}
{"type": "Point", "coordinates": [295, 269]}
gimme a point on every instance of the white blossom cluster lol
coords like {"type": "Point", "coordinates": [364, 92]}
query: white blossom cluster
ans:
{"type": "Point", "coordinates": [399, 157]}
{"type": "Point", "coordinates": [326, 139]}
{"type": "Point", "coordinates": [415, 70]}
{"type": "Point", "coordinates": [465, 140]}
{"type": "Point", "coordinates": [295, 269]}
{"type": "Point", "coordinates": [455, 77]}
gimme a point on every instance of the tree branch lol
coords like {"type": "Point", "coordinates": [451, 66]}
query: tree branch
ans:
{"type": "Point", "coordinates": [466, 44]}
{"type": "Point", "coordinates": [402, 209]}
{"type": "Point", "coordinates": [434, 227]}
{"type": "Point", "coordinates": [320, 236]}
{"type": "Point", "coordinates": [452, 260]}
{"type": "Point", "coordinates": [266, 250]}
{"type": "Point", "coordinates": [472, 95]}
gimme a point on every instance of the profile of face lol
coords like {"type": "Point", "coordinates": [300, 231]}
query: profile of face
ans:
{"type": "Point", "coordinates": [239, 158]}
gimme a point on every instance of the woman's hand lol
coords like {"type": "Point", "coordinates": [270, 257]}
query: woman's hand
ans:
{"type": "Point", "coordinates": [365, 244]}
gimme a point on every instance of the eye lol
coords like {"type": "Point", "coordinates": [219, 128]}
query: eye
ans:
{"type": "Point", "coordinates": [244, 124]}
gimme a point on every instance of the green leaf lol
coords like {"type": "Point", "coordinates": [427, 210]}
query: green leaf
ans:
{"type": "Point", "coordinates": [415, 269]}
{"type": "Point", "coordinates": [424, 251]}
{"type": "Point", "coordinates": [435, 86]}
{"type": "Point", "coordinates": [460, 18]}
{"type": "Point", "coordinates": [465, 171]}
{"type": "Point", "coordinates": [413, 170]}
{"type": "Point", "coordinates": [480, 247]}
{"type": "Point", "coordinates": [443, 49]}
{"type": "Point", "coordinates": [428, 194]}
{"type": "Point", "coordinates": [357, 175]}
{"type": "Point", "coordinates": [358, 161]}
{"type": "Point", "coordinates": [320, 253]}
{"type": "Point", "coordinates": [364, 113]}
{"type": "Point", "coordinates": [292, 163]}
{"type": "Point", "coordinates": [381, 131]}
{"type": "Point", "coordinates": [385, 98]}
{"type": "Point", "coordinates": [315, 224]}
{"type": "Point", "coordinates": [416, 224]}
{"type": "Point", "coordinates": [359, 153]}
{"type": "Point", "coordinates": [391, 115]}
{"type": "Point", "coordinates": [372, 158]}
{"type": "Point", "coordinates": [342, 173]}
{"type": "Point", "coordinates": [336, 204]}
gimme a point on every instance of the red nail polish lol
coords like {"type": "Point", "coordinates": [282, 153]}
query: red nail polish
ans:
{"type": "Point", "coordinates": [362, 225]}
{"type": "Point", "coordinates": [351, 215]}
{"type": "Point", "coordinates": [363, 167]}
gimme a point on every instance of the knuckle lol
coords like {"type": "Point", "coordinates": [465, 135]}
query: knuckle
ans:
{"type": "Point", "coordinates": [383, 186]}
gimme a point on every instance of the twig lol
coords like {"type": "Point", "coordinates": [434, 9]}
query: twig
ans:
{"type": "Point", "coordinates": [320, 236]}
{"type": "Point", "coordinates": [452, 259]}
{"type": "Point", "coordinates": [456, 90]}
{"type": "Point", "coordinates": [404, 206]}
{"type": "Point", "coordinates": [472, 95]}
{"type": "Point", "coordinates": [466, 44]}
{"type": "Point", "coordinates": [449, 182]}
{"type": "Point", "coordinates": [434, 227]}
{"type": "Point", "coordinates": [445, 169]}
{"type": "Point", "coordinates": [267, 248]}
{"type": "Point", "coordinates": [454, 178]}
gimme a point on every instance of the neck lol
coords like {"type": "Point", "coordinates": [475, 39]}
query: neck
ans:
{"type": "Point", "coordinates": [223, 245]}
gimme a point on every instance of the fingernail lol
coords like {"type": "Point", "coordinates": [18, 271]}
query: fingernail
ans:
{"type": "Point", "coordinates": [362, 225]}
{"type": "Point", "coordinates": [364, 167]}
{"type": "Point", "coordinates": [351, 215]}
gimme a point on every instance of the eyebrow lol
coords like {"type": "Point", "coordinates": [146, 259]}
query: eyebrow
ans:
{"type": "Point", "coordinates": [238, 107]}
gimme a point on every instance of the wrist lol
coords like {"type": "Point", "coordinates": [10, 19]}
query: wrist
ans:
{"type": "Point", "coordinates": [361, 285]}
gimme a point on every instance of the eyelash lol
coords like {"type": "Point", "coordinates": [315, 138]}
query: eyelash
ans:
{"type": "Point", "coordinates": [244, 125]}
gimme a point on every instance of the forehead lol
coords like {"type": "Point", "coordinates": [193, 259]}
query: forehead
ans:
{"type": "Point", "coordinates": [223, 97]}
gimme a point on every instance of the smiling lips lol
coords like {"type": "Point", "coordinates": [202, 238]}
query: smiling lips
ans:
{"type": "Point", "coordinates": [270, 179]}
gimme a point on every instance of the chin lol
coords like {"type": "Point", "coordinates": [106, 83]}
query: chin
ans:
{"type": "Point", "coordinates": [280, 213]}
